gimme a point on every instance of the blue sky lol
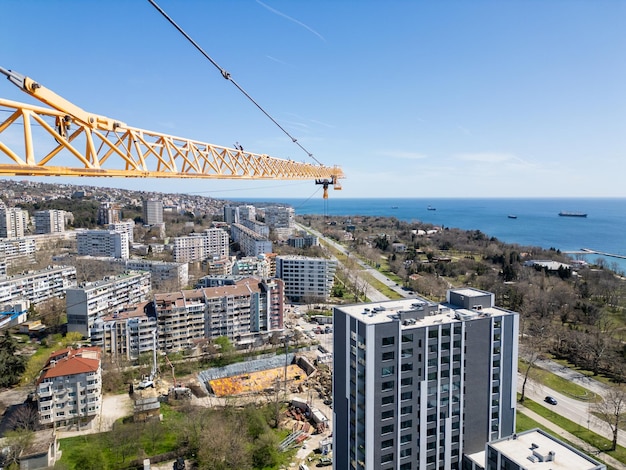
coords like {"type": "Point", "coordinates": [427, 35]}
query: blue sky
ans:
{"type": "Point", "coordinates": [411, 98]}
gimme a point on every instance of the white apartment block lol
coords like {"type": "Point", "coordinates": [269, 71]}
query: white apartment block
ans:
{"type": "Point", "coordinates": [103, 243]}
{"type": "Point", "coordinates": [38, 286]}
{"type": "Point", "coordinates": [258, 266]}
{"type": "Point", "coordinates": [128, 333]}
{"type": "Point", "coordinates": [306, 277]}
{"type": "Point", "coordinates": [13, 222]}
{"type": "Point", "coordinates": [93, 300]}
{"type": "Point", "coordinates": [14, 249]}
{"type": "Point", "coordinates": [220, 266]}
{"type": "Point", "coordinates": [161, 272]}
{"type": "Point", "coordinates": [152, 212]}
{"type": "Point", "coordinates": [257, 227]}
{"type": "Point", "coordinates": [69, 389]}
{"type": "Point", "coordinates": [200, 246]}
{"type": "Point", "coordinates": [49, 221]}
{"type": "Point", "coordinates": [250, 242]}
{"type": "Point", "coordinates": [127, 226]}
{"type": "Point", "coordinates": [246, 312]}
{"type": "Point", "coordinates": [281, 220]}
{"type": "Point", "coordinates": [247, 212]}
{"type": "Point", "coordinates": [419, 384]}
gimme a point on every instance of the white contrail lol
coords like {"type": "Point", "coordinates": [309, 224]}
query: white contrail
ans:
{"type": "Point", "coordinates": [291, 19]}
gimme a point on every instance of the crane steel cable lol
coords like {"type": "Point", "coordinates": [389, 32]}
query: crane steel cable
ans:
{"type": "Point", "coordinates": [227, 76]}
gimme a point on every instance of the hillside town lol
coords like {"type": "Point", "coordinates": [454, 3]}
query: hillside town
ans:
{"type": "Point", "coordinates": [169, 301]}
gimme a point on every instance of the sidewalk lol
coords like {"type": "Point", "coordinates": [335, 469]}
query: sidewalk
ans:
{"type": "Point", "coordinates": [557, 431]}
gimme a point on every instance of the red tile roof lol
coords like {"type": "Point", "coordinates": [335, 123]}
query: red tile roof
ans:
{"type": "Point", "coordinates": [71, 362]}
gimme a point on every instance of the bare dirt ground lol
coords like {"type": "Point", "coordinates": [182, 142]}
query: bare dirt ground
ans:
{"type": "Point", "coordinates": [114, 407]}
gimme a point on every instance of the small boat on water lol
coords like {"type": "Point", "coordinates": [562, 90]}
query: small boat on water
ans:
{"type": "Point", "coordinates": [431, 208]}
{"type": "Point", "coordinates": [572, 214]}
{"type": "Point", "coordinates": [511, 216]}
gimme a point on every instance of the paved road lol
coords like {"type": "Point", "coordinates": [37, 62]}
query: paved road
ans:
{"type": "Point", "coordinates": [372, 294]}
{"type": "Point", "coordinates": [577, 411]}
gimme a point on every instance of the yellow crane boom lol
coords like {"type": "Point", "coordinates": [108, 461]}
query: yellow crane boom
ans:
{"type": "Point", "coordinates": [96, 145]}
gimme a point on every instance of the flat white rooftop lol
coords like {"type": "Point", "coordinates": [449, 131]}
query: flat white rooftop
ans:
{"type": "Point", "coordinates": [388, 311]}
{"type": "Point", "coordinates": [527, 448]}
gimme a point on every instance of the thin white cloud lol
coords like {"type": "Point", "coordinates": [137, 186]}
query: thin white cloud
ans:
{"type": "Point", "coordinates": [291, 19]}
{"type": "Point", "coordinates": [490, 157]}
{"type": "Point", "coordinates": [276, 60]}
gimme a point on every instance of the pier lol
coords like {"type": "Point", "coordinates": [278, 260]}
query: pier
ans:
{"type": "Point", "coordinates": [589, 251]}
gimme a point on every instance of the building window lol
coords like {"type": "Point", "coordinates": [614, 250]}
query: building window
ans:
{"type": "Point", "coordinates": [406, 367]}
{"type": "Point", "coordinates": [387, 385]}
{"type": "Point", "coordinates": [406, 410]}
{"type": "Point", "coordinates": [406, 396]}
{"type": "Point", "coordinates": [405, 452]}
{"type": "Point", "coordinates": [406, 438]}
{"type": "Point", "coordinates": [387, 371]}
{"type": "Point", "coordinates": [386, 414]}
{"type": "Point", "coordinates": [406, 424]}
{"type": "Point", "coordinates": [386, 444]}
{"type": "Point", "coordinates": [386, 458]}
{"type": "Point", "coordinates": [407, 338]}
{"type": "Point", "coordinates": [386, 429]}
{"type": "Point", "coordinates": [388, 356]}
{"type": "Point", "coordinates": [387, 400]}
{"type": "Point", "coordinates": [406, 381]}
{"type": "Point", "coordinates": [388, 341]}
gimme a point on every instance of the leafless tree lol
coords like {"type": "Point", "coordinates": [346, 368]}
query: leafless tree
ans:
{"type": "Point", "coordinates": [532, 347]}
{"type": "Point", "coordinates": [612, 410]}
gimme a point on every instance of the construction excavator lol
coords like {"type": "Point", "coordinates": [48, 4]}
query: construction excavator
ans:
{"type": "Point", "coordinates": [101, 146]}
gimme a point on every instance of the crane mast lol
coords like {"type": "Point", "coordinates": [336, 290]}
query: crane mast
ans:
{"type": "Point", "coordinates": [80, 143]}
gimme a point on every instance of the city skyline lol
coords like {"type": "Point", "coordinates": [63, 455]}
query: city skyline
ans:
{"type": "Point", "coordinates": [509, 100]}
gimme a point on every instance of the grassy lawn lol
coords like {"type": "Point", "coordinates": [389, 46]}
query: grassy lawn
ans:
{"type": "Point", "coordinates": [524, 423]}
{"type": "Point", "coordinates": [556, 382]}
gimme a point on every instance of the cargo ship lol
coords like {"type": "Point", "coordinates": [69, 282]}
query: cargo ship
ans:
{"type": "Point", "coordinates": [572, 214]}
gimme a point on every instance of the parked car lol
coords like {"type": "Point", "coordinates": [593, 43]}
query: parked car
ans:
{"type": "Point", "coordinates": [550, 400]}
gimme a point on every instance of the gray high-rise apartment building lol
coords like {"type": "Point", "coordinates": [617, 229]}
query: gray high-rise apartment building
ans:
{"type": "Point", "coordinates": [417, 384]}
{"type": "Point", "coordinates": [152, 212]}
{"type": "Point", "coordinates": [49, 221]}
{"type": "Point", "coordinates": [13, 221]}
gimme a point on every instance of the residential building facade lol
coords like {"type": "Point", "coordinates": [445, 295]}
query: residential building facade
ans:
{"type": "Point", "coordinates": [416, 384]}
{"type": "Point", "coordinates": [210, 243]}
{"type": "Point", "coordinates": [38, 286]}
{"type": "Point", "coordinates": [127, 333]}
{"type": "Point", "coordinates": [49, 221]}
{"type": "Point", "coordinates": [108, 213]}
{"type": "Point", "coordinates": [93, 300]}
{"type": "Point", "coordinates": [306, 277]}
{"type": "Point", "coordinates": [152, 212]}
{"type": "Point", "coordinates": [250, 242]}
{"type": "Point", "coordinates": [281, 220]}
{"type": "Point", "coordinates": [69, 388]}
{"type": "Point", "coordinates": [246, 312]}
{"type": "Point", "coordinates": [13, 221]}
{"type": "Point", "coordinates": [103, 243]}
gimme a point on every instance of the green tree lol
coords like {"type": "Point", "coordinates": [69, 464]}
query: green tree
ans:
{"type": "Point", "coordinates": [12, 365]}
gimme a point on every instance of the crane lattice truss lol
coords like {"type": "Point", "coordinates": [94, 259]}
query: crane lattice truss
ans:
{"type": "Point", "coordinates": [100, 146]}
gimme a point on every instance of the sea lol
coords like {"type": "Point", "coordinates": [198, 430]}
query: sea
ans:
{"type": "Point", "coordinates": [527, 222]}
